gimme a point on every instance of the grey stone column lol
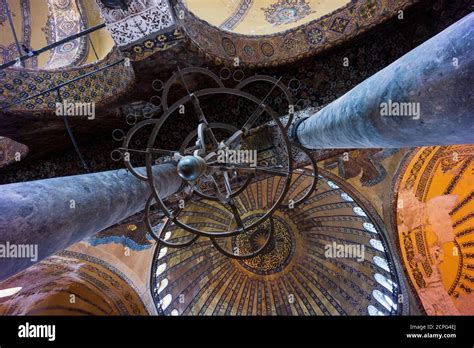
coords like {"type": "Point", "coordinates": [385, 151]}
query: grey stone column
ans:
{"type": "Point", "coordinates": [437, 77]}
{"type": "Point", "coordinates": [53, 214]}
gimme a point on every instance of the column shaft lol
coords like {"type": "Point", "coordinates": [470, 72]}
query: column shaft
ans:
{"type": "Point", "coordinates": [56, 213]}
{"type": "Point", "coordinates": [424, 98]}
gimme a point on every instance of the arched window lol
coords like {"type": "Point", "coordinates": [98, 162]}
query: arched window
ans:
{"type": "Point", "coordinates": [160, 269]}
{"type": "Point", "coordinates": [163, 252]}
{"type": "Point", "coordinates": [384, 300]}
{"type": "Point", "coordinates": [374, 311]}
{"type": "Point", "coordinates": [9, 292]}
{"type": "Point", "coordinates": [381, 262]}
{"type": "Point", "coordinates": [386, 283]}
{"type": "Point", "coordinates": [377, 244]}
{"type": "Point", "coordinates": [346, 197]}
{"type": "Point", "coordinates": [166, 301]}
{"type": "Point", "coordinates": [369, 227]}
{"type": "Point", "coordinates": [359, 211]}
{"type": "Point", "coordinates": [163, 285]}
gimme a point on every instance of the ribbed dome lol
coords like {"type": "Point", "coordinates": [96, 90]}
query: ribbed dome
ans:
{"type": "Point", "coordinates": [294, 275]}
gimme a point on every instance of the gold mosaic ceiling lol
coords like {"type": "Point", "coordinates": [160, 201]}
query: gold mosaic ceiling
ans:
{"type": "Point", "coordinates": [294, 275]}
{"type": "Point", "coordinates": [262, 17]}
{"type": "Point", "coordinates": [39, 23]}
{"type": "Point", "coordinates": [435, 227]}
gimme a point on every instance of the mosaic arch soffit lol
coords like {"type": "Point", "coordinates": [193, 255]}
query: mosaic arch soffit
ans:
{"type": "Point", "coordinates": [224, 47]}
{"type": "Point", "coordinates": [435, 225]}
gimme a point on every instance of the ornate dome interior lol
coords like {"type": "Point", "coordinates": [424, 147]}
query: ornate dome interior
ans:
{"type": "Point", "coordinates": [262, 17]}
{"type": "Point", "coordinates": [114, 115]}
{"type": "Point", "coordinates": [294, 277]}
{"type": "Point", "coordinates": [42, 22]}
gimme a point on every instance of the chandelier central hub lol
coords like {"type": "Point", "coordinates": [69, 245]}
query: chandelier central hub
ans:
{"type": "Point", "coordinates": [191, 167]}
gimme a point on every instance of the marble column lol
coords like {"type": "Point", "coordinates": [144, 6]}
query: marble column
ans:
{"type": "Point", "coordinates": [424, 98]}
{"type": "Point", "coordinates": [52, 214]}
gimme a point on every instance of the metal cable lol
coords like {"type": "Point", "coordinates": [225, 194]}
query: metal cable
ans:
{"type": "Point", "coordinates": [71, 135]}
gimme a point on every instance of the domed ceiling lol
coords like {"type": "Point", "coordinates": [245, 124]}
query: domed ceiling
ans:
{"type": "Point", "coordinates": [262, 17]}
{"type": "Point", "coordinates": [299, 273]}
{"type": "Point", "coordinates": [275, 32]}
{"type": "Point", "coordinates": [39, 23]}
{"type": "Point", "coordinates": [71, 283]}
{"type": "Point", "coordinates": [432, 227]}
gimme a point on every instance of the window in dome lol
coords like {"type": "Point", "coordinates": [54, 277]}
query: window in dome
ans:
{"type": "Point", "coordinates": [381, 262]}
